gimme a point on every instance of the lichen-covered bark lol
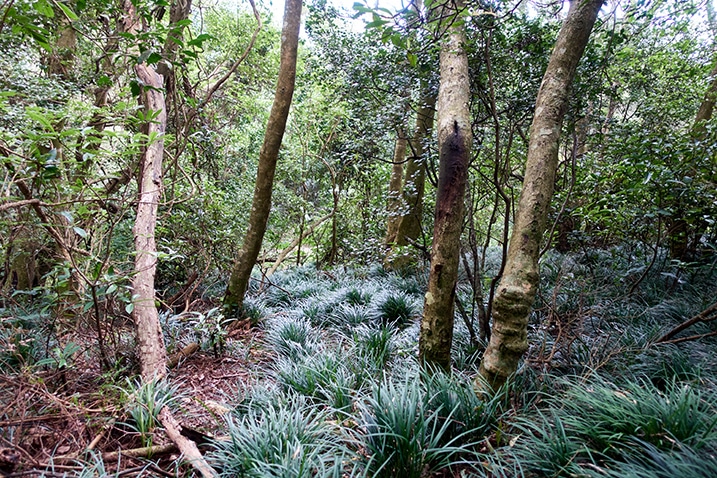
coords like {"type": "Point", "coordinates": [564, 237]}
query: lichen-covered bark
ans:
{"type": "Point", "coordinates": [517, 288]}
{"type": "Point", "coordinates": [454, 143]}
{"type": "Point", "coordinates": [268, 156]}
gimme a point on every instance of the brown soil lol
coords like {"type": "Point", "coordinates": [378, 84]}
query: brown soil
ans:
{"type": "Point", "coordinates": [56, 424]}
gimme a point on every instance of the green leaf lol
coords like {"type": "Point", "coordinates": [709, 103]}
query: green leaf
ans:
{"type": "Point", "coordinates": [129, 307]}
{"type": "Point", "coordinates": [80, 232]}
{"type": "Point", "coordinates": [153, 58]}
{"type": "Point", "coordinates": [143, 56]}
{"type": "Point", "coordinates": [376, 23]}
{"type": "Point", "coordinates": [72, 16]}
{"type": "Point", "coordinates": [111, 289]}
{"type": "Point", "coordinates": [135, 88]}
{"type": "Point", "coordinates": [43, 8]}
{"type": "Point", "coordinates": [412, 59]}
{"type": "Point", "coordinates": [199, 40]}
{"type": "Point", "coordinates": [104, 80]}
{"type": "Point", "coordinates": [36, 115]}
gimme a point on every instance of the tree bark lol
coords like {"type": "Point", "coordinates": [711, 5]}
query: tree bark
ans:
{"type": "Point", "coordinates": [152, 352]}
{"type": "Point", "coordinates": [454, 144]}
{"type": "Point", "coordinates": [704, 114]}
{"type": "Point", "coordinates": [393, 206]}
{"type": "Point", "coordinates": [268, 155]}
{"type": "Point", "coordinates": [409, 228]}
{"type": "Point", "coordinates": [517, 288]}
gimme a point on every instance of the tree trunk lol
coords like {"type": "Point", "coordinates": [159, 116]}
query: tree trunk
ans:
{"type": "Point", "coordinates": [454, 144]}
{"type": "Point", "coordinates": [409, 229]}
{"type": "Point", "coordinates": [704, 114]}
{"type": "Point", "coordinates": [393, 207]}
{"type": "Point", "coordinates": [152, 353]}
{"type": "Point", "coordinates": [261, 204]}
{"type": "Point", "coordinates": [517, 288]}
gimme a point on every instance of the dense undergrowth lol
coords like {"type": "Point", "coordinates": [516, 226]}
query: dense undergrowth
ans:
{"type": "Point", "coordinates": [595, 396]}
{"type": "Point", "coordinates": [342, 393]}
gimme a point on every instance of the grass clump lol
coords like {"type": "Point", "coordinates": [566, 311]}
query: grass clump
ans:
{"type": "Point", "coordinates": [610, 416]}
{"type": "Point", "coordinates": [292, 337]}
{"type": "Point", "coordinates": [402, 436]}
{"type": "Point", "coordinates": [397, 309]}
{"type": "Point", "coordinates": [294, 440]}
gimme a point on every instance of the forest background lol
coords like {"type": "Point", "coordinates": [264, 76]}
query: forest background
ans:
{"type": "Point", "coordinates": [119, 115]}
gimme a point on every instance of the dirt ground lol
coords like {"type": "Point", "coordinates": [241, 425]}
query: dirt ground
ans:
{"type": "Point", "coordinates": [56, 424]}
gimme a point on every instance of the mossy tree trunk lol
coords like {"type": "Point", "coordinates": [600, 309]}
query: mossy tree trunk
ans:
{"type": "Point", "coordinates": [268, 156]}
{"type": "Point", "coordinates": [454, 144]}
{"type": "Point", "coordinates": [517, 288]}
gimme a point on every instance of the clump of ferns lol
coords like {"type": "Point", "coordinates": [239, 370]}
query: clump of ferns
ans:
{"type": "Point", "coordinates": [292, 439]}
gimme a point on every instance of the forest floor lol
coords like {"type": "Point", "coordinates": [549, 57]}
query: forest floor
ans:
{"type": "Point", "coordinates": [56, 420]}
{"type": "Point", "coordinates": [326, 384]}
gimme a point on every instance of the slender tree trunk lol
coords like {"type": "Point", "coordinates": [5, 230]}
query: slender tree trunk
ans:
{"type": "Point", "coordinates": [517, 288]}
{"type": "Point", "coordinates": [454, 144]}
{"type": "Point", "coordinates": [261, 204]}
{"type": "Point", "coordinates": [409, 229]}
{"type": "Point", "coordinates": [152, 352]}
{"type": "Point", "coordinates": [704, 114]}
{"type": "Point", "coordinates": [393, 206]}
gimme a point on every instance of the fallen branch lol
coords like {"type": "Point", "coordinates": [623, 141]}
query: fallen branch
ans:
{"type": "Point", "coordinates": [185, 352]}
{"type": "Point", "coordinates": [144, 452]}
{"type": "Point", "coordinates": [707, 315]}
{"type": "Point", "coordinates": [186, 446]}
{"type": "Point", "coordinates": [690, 338]}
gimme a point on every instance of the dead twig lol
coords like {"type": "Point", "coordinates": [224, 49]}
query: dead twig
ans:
{"type": "Point", "coordinates": [143, 452]}
{"type": "Point", "coordinates": [707, 315]}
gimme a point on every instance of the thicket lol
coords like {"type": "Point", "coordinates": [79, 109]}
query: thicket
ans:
{"type": "Point", "coordinates": [329, 384]}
